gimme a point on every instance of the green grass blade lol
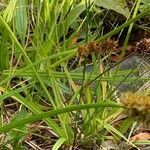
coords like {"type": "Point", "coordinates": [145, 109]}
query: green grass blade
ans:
{"type": "Point", "coordinates": [32, 106]}
{"type": "Point", "coordinates": [111, 129]}
{"type": "Point", "coordinates": [26, 56]}
{"type": "Point", "coordinates": [58, 143]}
{"type": "Point", "coordinates": [21, 19]}
{"type": "Point", "coordinates": [10, 10]}
{"type": "Point", "coordinates": [4, 57]}
{"type": "Point", "coordinates": [56, 112]}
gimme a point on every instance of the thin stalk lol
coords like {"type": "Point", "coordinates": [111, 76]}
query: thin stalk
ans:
{"type": "Point", "coordinates": [123, 51]}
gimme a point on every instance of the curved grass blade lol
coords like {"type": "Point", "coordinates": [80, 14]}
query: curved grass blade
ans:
{"type": "Point", "coordinates": [56, 112]}
{"type": "Point", "coordinates": [58, 143]}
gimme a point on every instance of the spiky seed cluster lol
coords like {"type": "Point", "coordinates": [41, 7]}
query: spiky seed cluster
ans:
{"type": "Point", "coordinates": [89, 48]}
{"type": "Point", "coordinates": [93, 47]}
{"type": "Point", "coordinates": [143, 46]}
{"type": "Point", "coordinates": [109, 45]}
{"type": "Point", "coordinates": [138, 105]}
{"type": "Point", "coordinates": [97, 48]}
{"type": "Point", "coordinates": [136, 100]}
{"type": "Point", "coordinates": [83, 51]}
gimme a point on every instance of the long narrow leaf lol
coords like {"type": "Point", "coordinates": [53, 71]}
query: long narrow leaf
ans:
{"type": "Point", "coordinates": [56, 112]}
{"type": "Point", "coordinates": [58, 143]}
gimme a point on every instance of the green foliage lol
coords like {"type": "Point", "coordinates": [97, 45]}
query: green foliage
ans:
{"type": "Point", "coordinates": [120, 6]}
{"type": "Point", "coordinates": [145, 4]}
{"type": "Point", "coordinates": [18, 134]}
{"type": "Point", "coordinates": [37, 47]}
{"type": "Point", "coordinates": [21, 19]}
{"type": "Point", "coordinates": [4, 58]}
